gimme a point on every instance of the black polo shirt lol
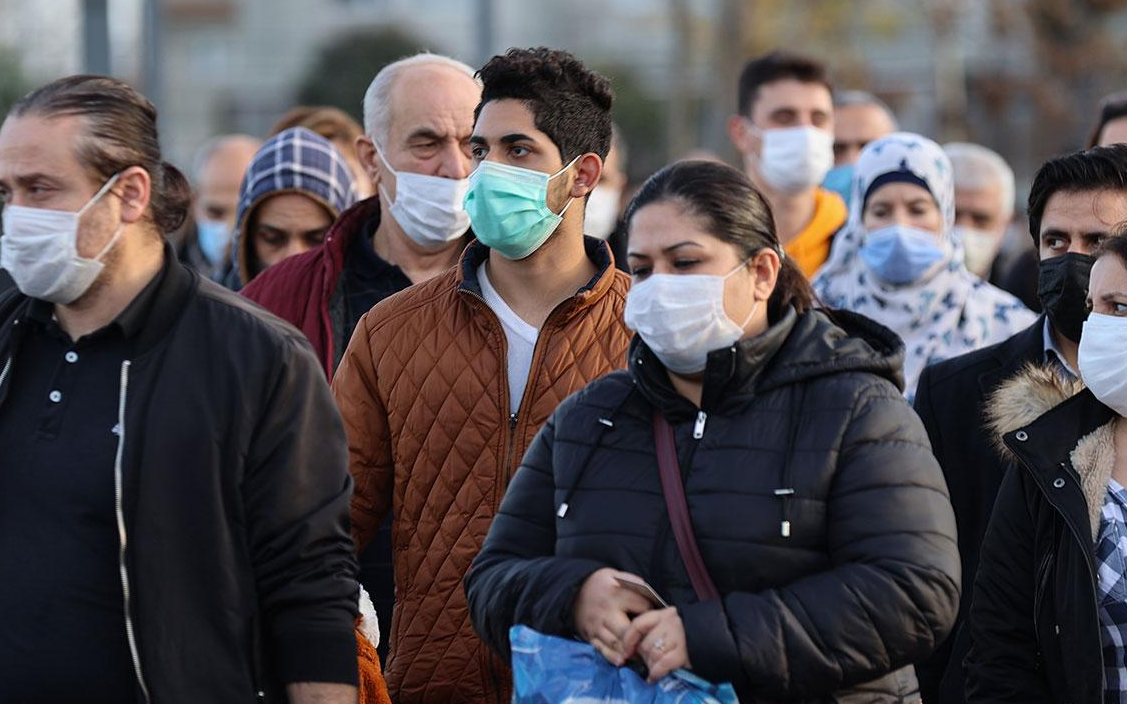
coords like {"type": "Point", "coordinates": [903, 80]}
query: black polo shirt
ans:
{"type": "Point", "coordinates": [62, 623]}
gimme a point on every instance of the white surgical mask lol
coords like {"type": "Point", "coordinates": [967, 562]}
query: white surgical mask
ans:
{"type": "Point", "coordinates": [681, 318]}
{"type": "Point", "coordinates": [980, 247]}
{"type": "Point", "coordinates": [601, 216]}
{"type": "Point", "coordinates": [40, 250]}
{"type": "Point", "coordinates": [428, 208]}
{"type": "Point", "coordinates": [1103, 365]}
{"type": "Point", "coordinates": [794, 159]}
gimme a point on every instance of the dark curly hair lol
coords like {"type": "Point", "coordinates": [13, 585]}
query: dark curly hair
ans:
{"type": "Point", "coordinates": [569, 102]}
{"type": "Point", "coordinates": [731, 210]}
{"type": "Point", "coordinates": [120, 131]}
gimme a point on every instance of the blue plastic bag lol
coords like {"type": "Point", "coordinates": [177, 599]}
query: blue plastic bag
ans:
{"type": "Point", "coordinates": [550, 670]}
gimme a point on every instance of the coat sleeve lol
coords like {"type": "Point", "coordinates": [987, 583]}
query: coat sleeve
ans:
{"type": "Point", "coordinates": [369, 438]}
{"type": "Point", "coordinates": [296, 491]}
{"type": "Point", "coordinates": [1002, 664]}
{"type": "Point", "coordinates": [515, 579]}
{"type": "Point", "coordinates": [892, 590]}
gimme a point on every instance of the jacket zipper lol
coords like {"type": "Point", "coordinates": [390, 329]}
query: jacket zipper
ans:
{"type": "Point", "coordinates": [4, 372]}
{"type": "Point", "coordinates": [698, 427]}
{"type": "Point", "coordinates": [123, 538]}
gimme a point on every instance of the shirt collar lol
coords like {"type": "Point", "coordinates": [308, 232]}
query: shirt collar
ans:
{"type": "Point", "coordinates": [1053, 354]}
{"type": "Point", "coordinates": [129, 321]}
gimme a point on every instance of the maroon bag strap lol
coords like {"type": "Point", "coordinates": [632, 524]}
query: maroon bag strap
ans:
{"type": "Point", "coordinates": [678, 507]}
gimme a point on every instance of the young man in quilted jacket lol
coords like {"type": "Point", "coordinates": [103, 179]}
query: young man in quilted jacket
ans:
{"type": "Point", "coordinates": [444, 385]}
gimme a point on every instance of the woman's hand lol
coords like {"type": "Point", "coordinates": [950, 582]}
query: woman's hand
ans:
{"type": "Point", "coordinates": [603, 611]}
{"type": "Point", "coordinates": [659, 638]}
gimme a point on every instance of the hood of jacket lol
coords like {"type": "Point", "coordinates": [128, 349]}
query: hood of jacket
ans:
{"type": "Point", "coordinates": [795, 349]}
{"type": "Point", "coordinates": [1043, 396]}
{"type": "Point", "coordinates": [296, 160]}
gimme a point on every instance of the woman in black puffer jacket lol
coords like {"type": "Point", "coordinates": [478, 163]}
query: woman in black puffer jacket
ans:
{"type": "Point", "coordinates": [819, 511]}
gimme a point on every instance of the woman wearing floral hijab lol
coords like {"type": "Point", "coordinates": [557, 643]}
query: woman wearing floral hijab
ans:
{"type": "Point", "coordinates": [898, 261]}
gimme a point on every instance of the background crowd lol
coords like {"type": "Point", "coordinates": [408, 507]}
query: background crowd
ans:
{"type": "Point", "coordinates": [329, 416]}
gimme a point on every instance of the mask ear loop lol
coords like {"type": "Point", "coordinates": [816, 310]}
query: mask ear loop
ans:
{"type": "Point", "coordinates": [754, 308]}
{"type": "Point", "coordinates": [570, 199]}
{"type": "Point", "coordinates": [121, 228]}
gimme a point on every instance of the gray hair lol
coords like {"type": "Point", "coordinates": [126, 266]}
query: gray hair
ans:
{"type": "Point", "coordinates": [377, 99]}
{"type": "Point", "coordinates": [847, 98]}
{"type": "Point", "coordinates": [977, 167]}
{"type": "Point", "coordinates": [208, 149]}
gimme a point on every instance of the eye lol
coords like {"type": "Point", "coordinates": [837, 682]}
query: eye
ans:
{"type": "Point", "coordinates": [271, 238]}
{"type": "Point", "coordinates": [1118, 308]}
{"type": "Point", "coordinates": [1055, 242]}
{"type": "Point", "coordinates": [640, 272]}
{"type": "Point", "coordinates": [478, 152]}
{"type": "Point", "coordinates": [519, 151]}
{"type": "Point", "coordinates": [685, 263]}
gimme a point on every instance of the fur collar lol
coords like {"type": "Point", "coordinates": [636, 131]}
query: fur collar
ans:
{"type": "Point", "coordinates": [1031, 393]}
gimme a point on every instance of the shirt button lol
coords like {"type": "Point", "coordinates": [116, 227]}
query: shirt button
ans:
{"type": "Point", "coordinates": [71, 356]}
{"type": "Point", "coordinates": [55, 396]}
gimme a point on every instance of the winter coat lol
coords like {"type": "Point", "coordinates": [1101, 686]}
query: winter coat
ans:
{"type": "Point", "coordinates": [234, 490]}
{"type": "Point", "coordinates": [425, 400]}
{"type": "Point", "coordinates": [866, 583]}
{"type": "Point", "coordinates": [1034, 623]}
{"type": "Point", "coordinates": [951, 400]}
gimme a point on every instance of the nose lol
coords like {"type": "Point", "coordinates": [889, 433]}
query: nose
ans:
{"type": "Point", "coordinates": [296, 245]}
{"type": "Point", "coordinates": [454, 163]}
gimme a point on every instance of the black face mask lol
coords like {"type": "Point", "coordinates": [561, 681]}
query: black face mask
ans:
{"type": "Point", "coordinates": [1062, 286]}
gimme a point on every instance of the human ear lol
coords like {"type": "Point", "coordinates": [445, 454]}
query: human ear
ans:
{"type": "Point", "coordinates": [134, 189]}
{"type": "Point", "coordinates": [588, 171]}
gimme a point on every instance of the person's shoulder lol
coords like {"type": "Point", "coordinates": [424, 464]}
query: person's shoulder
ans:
{"type": "Point", "coordinates": [598, 399]}
{"type": "Point", "coordinates": [964, 369]}
{"type": "Point", "coordinates": [241, 319]}
{"type": "Point", "coordinates": [419, 306]}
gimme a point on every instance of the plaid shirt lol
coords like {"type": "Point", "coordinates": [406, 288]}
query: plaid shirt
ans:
{"type": "Point", "coordinates": [1111, 554]}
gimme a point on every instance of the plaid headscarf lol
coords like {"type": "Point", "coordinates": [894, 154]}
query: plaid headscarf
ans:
{"type": "Point", "coordinates": [296, 160]}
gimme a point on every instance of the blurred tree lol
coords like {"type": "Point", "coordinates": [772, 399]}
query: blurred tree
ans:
{"type": "Point", "coordinates": [346, 65]}
{"type": "Point", "coordinates": [642, 119]}
{"type": "Point", "coordinates": [13, 85]}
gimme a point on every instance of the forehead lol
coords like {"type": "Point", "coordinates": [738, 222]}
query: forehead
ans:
{"type": "Point", "coordinates": [1109, 275]}
{"type": "Point", "coordinates": [292, 210]}
{"type": "Point", "coordinates": [1084, 211]}
{"type": "Point", "coordinates": [507, 116]}
{"type": "Point", "coordinates": [900, 192]}
{"type": "Point", "coordinates": [986, 198]}
{"type": "Point", "coordinates": [438, 98]}
{"type": "Point", "coordinates": [861, 118]}
{"type": "Point", "coordinates": [793, 94]}
{"type": "Point", "coordinates": [34, 144]}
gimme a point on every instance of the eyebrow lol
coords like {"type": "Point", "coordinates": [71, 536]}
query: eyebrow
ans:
{"type": "Point", "coordinates": [507, 139]}
{"type": "Point", "coordinates": [27, 179]}
{"type": "Point", "coordinates": [425, 133]}
{"type": "Point", "coordinates": [666, 250]}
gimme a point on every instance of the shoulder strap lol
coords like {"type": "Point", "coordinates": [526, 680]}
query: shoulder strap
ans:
{"type": "Point", "coordinates": [678, 507]}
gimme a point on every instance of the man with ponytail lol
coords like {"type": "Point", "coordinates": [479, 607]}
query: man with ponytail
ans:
{"type": "Point", "coordinates": [173, 472]}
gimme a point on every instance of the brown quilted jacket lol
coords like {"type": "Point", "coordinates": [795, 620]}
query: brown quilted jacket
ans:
{"type": "Point", "coordinates": [424, 396]}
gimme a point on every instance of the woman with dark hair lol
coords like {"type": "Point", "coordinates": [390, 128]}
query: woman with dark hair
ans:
{"type": "Point", "coordinates": [1049, 617]}
{"type": "Point", "coordinates": [1111, 125]}
{"type": "Point", "coordinates": [798, 524]}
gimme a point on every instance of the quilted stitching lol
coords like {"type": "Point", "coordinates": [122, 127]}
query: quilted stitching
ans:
{"type": "Point", "coordinates": [438, 360]}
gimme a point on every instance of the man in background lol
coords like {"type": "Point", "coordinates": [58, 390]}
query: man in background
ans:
{"type": "Point", "coordinates": [785, 131]}
{"type": "Point", "coordinates": [217, 172]}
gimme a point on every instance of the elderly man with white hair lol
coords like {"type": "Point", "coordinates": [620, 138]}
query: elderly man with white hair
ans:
{"type": "Point", "coordinates": [418, 118]}
{"type": "Point", "coordinates": [984, 202]}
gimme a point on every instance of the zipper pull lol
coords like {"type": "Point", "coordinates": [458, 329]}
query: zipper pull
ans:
{"type": "Point", "coordinates": [698, 427]}
{"type": "Point", "coordinates": [512, 421]}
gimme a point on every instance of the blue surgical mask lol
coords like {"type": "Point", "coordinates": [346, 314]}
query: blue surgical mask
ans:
{"type": "Point", "coordinates": [213, 237]}
{"type": "Point", "coordinates": [508, 208]}
{"type": "Point", "coordinates": [900, 255]}
{"type": "Point", "coordinates": [840, 181]}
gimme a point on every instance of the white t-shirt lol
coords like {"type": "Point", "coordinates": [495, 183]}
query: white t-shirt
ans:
{"type": "Point", "coordinates": [520, 336]}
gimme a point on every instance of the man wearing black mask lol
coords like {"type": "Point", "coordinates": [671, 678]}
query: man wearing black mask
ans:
{"type": "Point", "coordinates": [1075, 201]}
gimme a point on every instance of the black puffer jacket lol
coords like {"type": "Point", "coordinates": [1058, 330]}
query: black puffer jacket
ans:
{"type": "Point", "coordinates": [866, 584]}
